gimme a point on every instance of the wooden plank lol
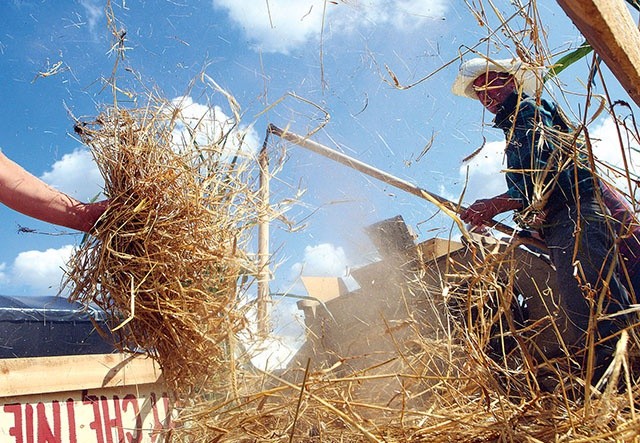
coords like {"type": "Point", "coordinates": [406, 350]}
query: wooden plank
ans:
{"type": "Point", "coordinates": [391, 237]}
{"type": "Point", "coordinates": [324, 288]}
{"type": "Point", "coordinates": [435, 248]}
{"type": "Point", "coordinates": [134, 413]}
{"type": "Point", "coordinates": [608, 27]}
{"type": "Point", "coordinates": [39, 375]}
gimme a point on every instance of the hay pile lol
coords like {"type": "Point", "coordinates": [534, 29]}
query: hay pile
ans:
{"type": "Point", "coordinates": [166, 257]}
{"type": "Point", "coordinates": [464, 402]}
{"type": "Point", "coordinates": [437, 387]}
{"type": "Point", "coordinates": [444, 389]}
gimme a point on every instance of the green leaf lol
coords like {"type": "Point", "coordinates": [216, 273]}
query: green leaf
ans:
{"type": "Point", "coordinates": [569, 59]}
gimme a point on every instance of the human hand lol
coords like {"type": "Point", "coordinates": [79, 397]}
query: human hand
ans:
{"type": "Point", "coordinates": [480, 212]}
{"type": "Point", "coordinates": [91, 213]}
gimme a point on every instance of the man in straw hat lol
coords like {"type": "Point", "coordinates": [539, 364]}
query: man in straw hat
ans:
{"type": "Point", "coordinates": [29, 195]}
{"type": "Point", "coordinates": [553, 193]}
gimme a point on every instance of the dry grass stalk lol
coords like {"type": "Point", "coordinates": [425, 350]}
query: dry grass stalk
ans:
{"type": "Point", "coordinates": [434, 390]}
{"type": "Point", "coordinates": [166, 257]}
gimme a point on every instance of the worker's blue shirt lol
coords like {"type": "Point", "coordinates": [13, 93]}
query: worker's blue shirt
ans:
{"type": "Point", "coordinates": [541, 171]}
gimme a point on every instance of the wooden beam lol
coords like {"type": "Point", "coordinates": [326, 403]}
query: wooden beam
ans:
{"type": "Point", "coordinates": [608, 27]}
{"type": "Point", "coordinates": [40, 375]}
{"type": "Point", "coordinates": [447, 206]}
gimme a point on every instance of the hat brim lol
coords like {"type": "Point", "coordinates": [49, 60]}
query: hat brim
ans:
{"type": "Point", "coordinates": [526, 76]}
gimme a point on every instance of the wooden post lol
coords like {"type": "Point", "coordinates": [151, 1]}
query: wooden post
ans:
{"type": "Point", "coordinates": [608, 27]}
{"type": "Point", "coordinates": [262, 306]}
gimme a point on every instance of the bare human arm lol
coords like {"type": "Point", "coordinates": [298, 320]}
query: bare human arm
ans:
{"type": "Point", "coordinates": [484, 210]}
{"type": "Point", "coordinates": [27, 194]}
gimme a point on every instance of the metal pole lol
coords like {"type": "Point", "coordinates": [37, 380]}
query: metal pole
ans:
{"type": "Point", "coordinates": [446, 205]}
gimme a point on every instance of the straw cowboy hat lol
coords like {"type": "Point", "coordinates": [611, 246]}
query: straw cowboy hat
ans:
{"type": "Point", "coordinates": [526, 76]}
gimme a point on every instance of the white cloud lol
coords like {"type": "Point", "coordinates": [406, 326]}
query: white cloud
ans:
{"type": "Point", "coordinates": [206, 125]}
{"type": "Point", "coordinates": [607, 148]}
{"type": "Point", "coordinates": [76, 174]}
{"type": "Point", "coordinates": [325, 260]}
{"type": "Point", "coordinates": [276, 25]}
{"type": "Point", "coordinates": [283, 25]}
{"type": "Point", "coordinates": [41, 271]}
{"type": "Point", "coordinates": [94, 12]}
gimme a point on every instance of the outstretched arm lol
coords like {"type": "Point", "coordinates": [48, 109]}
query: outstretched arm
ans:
{"type": "Point", "coordinates": [29, 195]}
{"type": "Point", "coordinates": [483, 210]}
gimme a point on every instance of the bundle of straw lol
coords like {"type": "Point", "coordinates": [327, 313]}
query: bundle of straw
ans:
{"type": "Point", "coordinates": [447, 390]}
{"type": "Point", "coordinates": [166, 257]}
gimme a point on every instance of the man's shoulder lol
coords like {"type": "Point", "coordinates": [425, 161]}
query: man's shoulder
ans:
{"type": "Point", "coordinates": [528, 101]}
{"type": "Point", "coordinates": [539, 109]}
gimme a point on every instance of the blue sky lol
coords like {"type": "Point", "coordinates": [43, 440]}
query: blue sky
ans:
{"type": "Point", "coordinates": [331, 54]}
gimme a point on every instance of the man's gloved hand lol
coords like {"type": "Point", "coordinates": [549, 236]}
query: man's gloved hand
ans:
{"type": "Point", "coordinates": [480, 212]}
